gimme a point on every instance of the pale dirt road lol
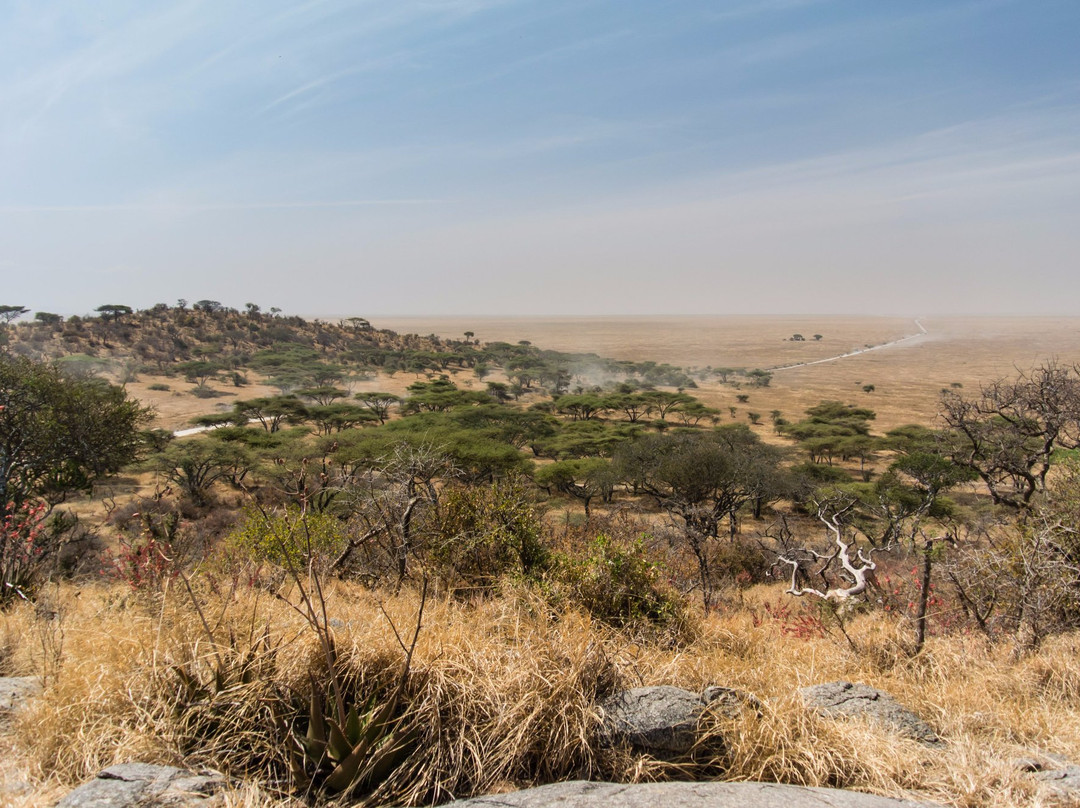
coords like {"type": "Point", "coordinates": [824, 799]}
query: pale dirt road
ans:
{"type": "Point", "coordinates": [922, 333]}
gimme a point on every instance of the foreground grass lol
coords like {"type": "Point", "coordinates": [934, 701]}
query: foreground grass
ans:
{"type": "Point", "coordinates": [504, 694]}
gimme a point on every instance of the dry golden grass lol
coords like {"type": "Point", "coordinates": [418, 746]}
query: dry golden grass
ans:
{"type": "Point", "coordinates": [506, 694]}
{"type": "Point", "coordinates": [175, 407]}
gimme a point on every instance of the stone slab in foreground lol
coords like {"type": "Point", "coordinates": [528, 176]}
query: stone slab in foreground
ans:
{"type": "Point", "coordinates": [144, 785]}
{"type": "Point", "coordinates": [683, 795]}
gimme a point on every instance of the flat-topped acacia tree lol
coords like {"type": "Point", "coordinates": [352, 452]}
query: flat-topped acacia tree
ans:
{"type": "Point", "coordinates": [9, 314]}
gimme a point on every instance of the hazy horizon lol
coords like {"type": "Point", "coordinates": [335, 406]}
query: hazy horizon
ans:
{"type": "Point", "coordinates": [433, 157]}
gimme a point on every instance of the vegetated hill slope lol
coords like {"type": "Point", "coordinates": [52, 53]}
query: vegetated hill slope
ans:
{"type": "Point", "coordinates": [158, 339]}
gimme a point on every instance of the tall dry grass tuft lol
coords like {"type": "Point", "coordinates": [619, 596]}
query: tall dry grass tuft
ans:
{"type": "Point", "coordinates": [503, 693]}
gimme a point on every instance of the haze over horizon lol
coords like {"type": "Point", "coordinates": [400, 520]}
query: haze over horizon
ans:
{"type": "Point", "coordinates": [565, 157]}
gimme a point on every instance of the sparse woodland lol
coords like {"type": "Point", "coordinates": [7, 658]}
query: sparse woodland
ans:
{"type": "Point", "coordinates": [402, 569]}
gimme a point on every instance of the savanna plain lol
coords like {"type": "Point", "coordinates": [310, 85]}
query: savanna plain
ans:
{"type": "Point", "coordinates": [407, 560]}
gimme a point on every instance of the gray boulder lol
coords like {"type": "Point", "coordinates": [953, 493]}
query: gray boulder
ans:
{"type": "Point", "coordinates": [15, 691]}
{"type": "Point", "coordinates": [850, 700]}
{"type": "Point", "coordinates": [662, 720]}
{"type": "Point", "coordinates": [684, 795]}
{"type": "Point", "coordinates": [144, 785]}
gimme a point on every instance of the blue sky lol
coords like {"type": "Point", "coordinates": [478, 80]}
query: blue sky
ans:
{"type": "Point", "coordinates": [542, 157]}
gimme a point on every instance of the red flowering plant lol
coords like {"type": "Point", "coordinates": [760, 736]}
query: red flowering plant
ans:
{"type": "Point", "coordinates": [26, 547]}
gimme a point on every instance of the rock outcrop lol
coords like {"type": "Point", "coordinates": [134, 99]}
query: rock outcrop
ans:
{"type": "Point", "coordinates": [14, 692]}
{"type": "Point", "coordinates": [663, 720]}
{"type": "Point", "coordinates": [1058, 773]}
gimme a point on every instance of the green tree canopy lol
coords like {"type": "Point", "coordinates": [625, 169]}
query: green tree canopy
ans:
{"type": "Point", "coordinates": [701, 477]}
{"type": "Point", "coordinates": [272, 412]}
{"type": "Point", "coordinates": [379, 403]}
{"type": "Point", "coordinates": [113, 311]}
{"type": "Point", "coordinates": [440, 395]}
{"type": "Point", "coordinates": [10, 313]}
{"type": "Point", "coordinates": [584, 479]}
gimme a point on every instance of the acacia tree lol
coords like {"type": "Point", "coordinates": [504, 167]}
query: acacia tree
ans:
{"type": "Point", "coordinates": [59, 435]}
{"type": "Point", "coordinates": [581, 407]}
{"type": "Point", "coordinates": [633, 405]}
{"type": "Point", "coordinates": [323, 395]}
{"type": "Point", "coordinates": [113, 311]}
{"type": "Point", "coordinates": [199, 371]}
{"type": "Point", "coordinates": [379, 403]}
{"type": "Point", "coordinates": [583, 479]}
{"type": "Point", "coordinates": [1009, 432]}
{"type": "Point", "coordinates": [700, 478]}
{"type": "Point", "coordinates": [271, 411]}
{"type": "Point", "coordinates": [194, 465]}
{"type": "Point", "coordinates": [10, 313]}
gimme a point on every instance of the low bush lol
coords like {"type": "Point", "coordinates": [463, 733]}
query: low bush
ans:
{"type": "Point", "coordinates": [486, 532]}
{"type": "Point", "coordinates": [287, 537]}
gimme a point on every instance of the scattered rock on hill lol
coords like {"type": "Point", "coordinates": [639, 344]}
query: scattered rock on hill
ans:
{"type": "Point", "coordinates": [848, 700]}
{"type": "Point", "coordinates": [684, 795]}
{"type": "Point", "coordinates": [146, 786]}
{"type": "Point", "coordinates": [662, 720]}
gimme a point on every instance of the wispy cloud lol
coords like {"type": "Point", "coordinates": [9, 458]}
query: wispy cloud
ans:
{"type": "Point", "coordinates": [107, 56]}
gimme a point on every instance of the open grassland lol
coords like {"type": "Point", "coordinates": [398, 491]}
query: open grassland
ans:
{"type": "Point", "coordinates": [688, 341]}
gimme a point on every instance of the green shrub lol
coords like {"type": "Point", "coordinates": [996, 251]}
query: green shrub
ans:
{"type": "Point", "coordinates": [744, 562]}
{"type": "Point", "coordinates": [288, 537]}
{"type": "Point", "coordinates": [161, 388]}
{"type": "Point", "coordinates": [206, 392]}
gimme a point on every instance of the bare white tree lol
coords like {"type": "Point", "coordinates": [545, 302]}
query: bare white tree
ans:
{"type": "Point", "coordinates": [855, 572]}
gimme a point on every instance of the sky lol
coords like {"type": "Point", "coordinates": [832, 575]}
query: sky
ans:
{"type": "Point", "coordinates": [535, 157]}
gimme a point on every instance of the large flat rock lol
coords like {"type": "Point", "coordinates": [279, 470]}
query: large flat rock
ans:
{"type": "Point", "coordinates": [684, 795]}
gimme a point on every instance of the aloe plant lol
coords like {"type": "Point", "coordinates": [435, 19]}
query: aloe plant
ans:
{"type": "Point", "coordinates": [354, 755]}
